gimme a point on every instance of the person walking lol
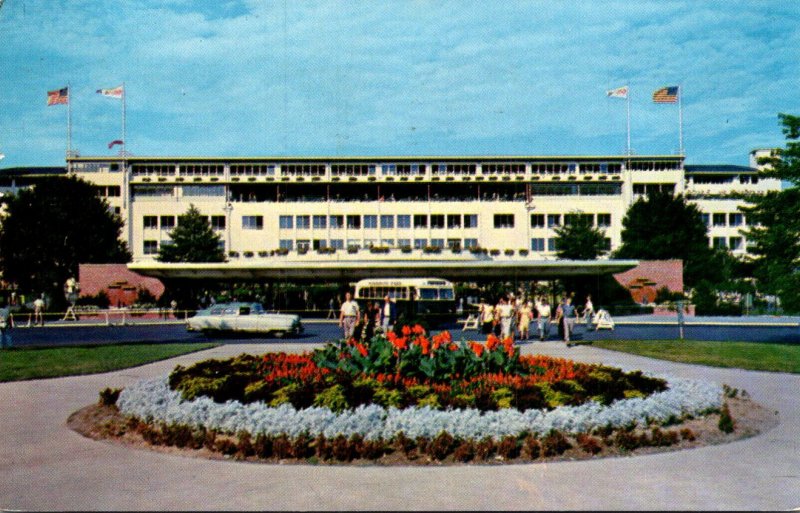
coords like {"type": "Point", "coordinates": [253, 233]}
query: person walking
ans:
{"type": "Point", "coordinates": [6, 323]}
{"type": "Point", "coordinates": [348, 316]}
{"type": "Point", "coordinates": [544, 312]}
{"type": "Point", "coordinates": [486, 312]}
{"type": "Point", "coordinates": [524, 316]}
{"type": "Point", "coordinates": [504, 312]}
{"type": "Point", "coordinates": [331, 311]}
{"type": "Point", "coordinates": [38, 310]}
{"type": "Point", "coordinates": [568, 316]}
{"type": "Point", "coordinates": [588, 312]}
{"type": "Point", "coordinates": [388, 313]}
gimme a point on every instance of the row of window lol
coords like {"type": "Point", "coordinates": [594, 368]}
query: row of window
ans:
{"type": "Point", "coordinates": [722, 219]}
{"type": "Point", "coordinates": [732, 243]}
{"type": "Point", "coordinates": [361, 169]}
{"type": "Point", "coordinates": [390, 221]}
{"type": "Point", "coordinates": [368, 221]}
{"type": "Point", "coordinates": [168, 222]}
{"type": "Point", "coordinates": [110, 191]}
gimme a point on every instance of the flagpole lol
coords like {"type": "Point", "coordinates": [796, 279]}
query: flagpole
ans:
{"type": "Point", "coordinates": [680, 119]}
{"type": "Point", "coordinates": [628, 101]}
{"type": "Point", "coordinates": [124, 139]}
{"type": "Point", "coordinates": [69, 119]}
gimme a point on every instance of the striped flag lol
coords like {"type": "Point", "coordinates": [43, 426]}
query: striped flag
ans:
{"type": "Point", "coordinates": [666, 95]}
{"type": "Point", "coordinates": [114, 92]}
{"type": "Point", "coordinates": [619, 92]}
{"type": "Point", "coordinates": [58, 97]}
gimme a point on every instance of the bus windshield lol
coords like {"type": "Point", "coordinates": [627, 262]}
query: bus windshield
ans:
{"type": "Point", "coordinates": [444, 294]}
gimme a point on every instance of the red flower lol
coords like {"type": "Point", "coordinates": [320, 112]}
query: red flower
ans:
{"type": "Point", "coordinates": [418, 330]}
{"type": "Point", "coordinates": [477, 349]}
{"type": "Point", "coordinates": [400, 343]}
{"type": "Point", "coordinates": [406, 330]}
{"type": "Point", "coordinates": [425, 344]}
{"type": "Point", "coordinates": [491, 342]}
{"type": "Point", "coordinates": [362, 349]}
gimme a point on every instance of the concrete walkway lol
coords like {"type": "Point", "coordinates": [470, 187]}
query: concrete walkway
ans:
{"type": "Point", "coordinates": [46, 466]}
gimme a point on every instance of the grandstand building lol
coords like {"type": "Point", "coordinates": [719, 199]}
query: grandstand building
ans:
{"type": "Point", "coordinates": [507, 206]}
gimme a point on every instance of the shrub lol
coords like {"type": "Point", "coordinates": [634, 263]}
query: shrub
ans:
{"type": "Point", "coordinates": [109, 396]}
{"type": "Point", "coordinates": [626, 440]}
{"type": "Point", "coordinates": [661, 438]}
{"type": "Point", "coordinates": [340, 448]}
{"type": "Point", "coordinates": [588, 443]}
{"type": "Point", "coordinates": [465, 451]}
{"type": "Point", "coordinates": [373, 449]}
{"type": "Point", "coordinates": [404, 444]}
{"type": "Point", "coordinates": [387, 398]}
{"type": "Point", "coordinates": [262, 447]}
{"type": "Point", "coordinates": [688, 434]}
{"type": "Point", "coordinates": [533, 449]}
{"type": "Point", "coordinates": [554, 443]}
{"type": "Point", "coordinates": [301, 446]}
{"type": "Point", "coordinates": [282, 447]}
{"type": "Point", "coordinates": [225, 446]}
{"type": "Point", "coordinates": [322, 448]}
{"type": "Point", "coordinates": [179, 435]}
{"type": "Point", "coordinates": [484, 449]}
{"type": "Point", "coordinates": [332, 398]}
{"type": "Point", "coordinates": [726, 424]}
{"type": "Point", "coordinates": [244, 445]}
{"type": "Point", "coordinates": [441, 446]}
{"type": "Point", "coordinates": [508, 447]}
{"type": "Point", "coordinates": [210, 440]}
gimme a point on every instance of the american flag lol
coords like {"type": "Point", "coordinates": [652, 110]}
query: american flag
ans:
{"type": "Point", "coordinates": [666, 95]}
{"type": "Point", "coordinates": [59, 96]}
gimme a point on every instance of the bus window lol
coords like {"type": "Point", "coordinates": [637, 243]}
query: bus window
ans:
{"type": "Point", "coordinates": [428, 294]}
{"type": "Point", "coordinates": [446, 294]}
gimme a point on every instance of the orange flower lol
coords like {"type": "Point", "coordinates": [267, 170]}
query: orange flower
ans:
{"type": "Point", "coordinates": [425, 344]}
{"type": "Point", "coordinates": [362, 349]}
{"type": "Point", "coordinates": [477, 349]}
{"type": "Point", "coordinates": [418, 329]}
{"type": "Point", "coordinates": [453, 347]}
{"type": "Point", "coordinates": [491, 342]}
{"type": "Point", "coordinates": [400, 343]}
{"type": "Point", "coordinates": [406, 330]}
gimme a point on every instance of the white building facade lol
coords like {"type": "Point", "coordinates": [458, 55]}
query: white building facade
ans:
{"type": "Point", "coordinates": [504, 206]}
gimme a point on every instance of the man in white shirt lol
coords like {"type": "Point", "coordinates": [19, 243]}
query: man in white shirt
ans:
{"type": "Point", "coordinates": [348, 316]}
{"type": "Point", "coordinates": [504, 311]}
{"type": "Point", "coordinates": [543, 309]}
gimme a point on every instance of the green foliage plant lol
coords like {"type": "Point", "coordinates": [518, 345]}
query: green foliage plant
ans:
{"type": "Point", "coordinates": [580, 239]}
{"type": "Point", "coordinates": [192, 240]}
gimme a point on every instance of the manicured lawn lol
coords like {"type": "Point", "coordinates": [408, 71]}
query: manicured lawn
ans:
{"type": "Point", "coordinates": [52, 362]}
{"type": "Point", "coordinates": [743, 355]}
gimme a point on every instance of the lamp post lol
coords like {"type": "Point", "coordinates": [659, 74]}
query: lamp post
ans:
{"type": "Point", "coordinates": [228, 208]}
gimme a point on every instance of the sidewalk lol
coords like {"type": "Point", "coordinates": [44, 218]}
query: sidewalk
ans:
{"type": "Point", "coordinates": [46, 466]}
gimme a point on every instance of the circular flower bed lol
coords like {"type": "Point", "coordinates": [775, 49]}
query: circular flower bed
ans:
{"type": "Point", "coordinates": [410, 392]}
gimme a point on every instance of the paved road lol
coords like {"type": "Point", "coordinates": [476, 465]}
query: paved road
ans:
{"type": "Point", "coordinates": [45, 466]}
{"type": "Point", "coordinates": [648, 328]}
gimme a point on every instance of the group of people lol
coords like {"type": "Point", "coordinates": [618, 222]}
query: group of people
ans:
{"type": "Point", "coordinates": [512, 317]}
{"type": "Point", "coordinates": [364, 325]}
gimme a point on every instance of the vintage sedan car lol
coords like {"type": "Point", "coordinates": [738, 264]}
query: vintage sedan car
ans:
{"type": "Point", "coordinates": [224, 318]}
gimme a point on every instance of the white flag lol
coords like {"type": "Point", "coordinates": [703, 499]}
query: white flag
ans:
{"type": "Point", "coordinates": [619, 92]}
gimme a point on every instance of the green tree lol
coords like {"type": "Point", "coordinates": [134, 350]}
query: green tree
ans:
{"type": "Point", "coordinates": [193, 240]}
{"type": "Point", "coordinates": [662, 226]}
{"type": "Point", "coordinates": [49, 229]}
{"type": "Point", "coordinates": [578, 239]}
{"type": "Point", "coordinates": [774, 219]}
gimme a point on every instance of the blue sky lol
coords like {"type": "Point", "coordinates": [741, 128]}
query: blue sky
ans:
{"type": "Point", "coordinates": [247, 77]}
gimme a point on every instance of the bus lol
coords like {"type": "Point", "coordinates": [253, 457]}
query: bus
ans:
{"type": "Point", "coordinates": [428, 299]}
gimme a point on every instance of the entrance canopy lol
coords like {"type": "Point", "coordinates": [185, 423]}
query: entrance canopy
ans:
{"type": "Point", "coordinates": [324, 270]}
